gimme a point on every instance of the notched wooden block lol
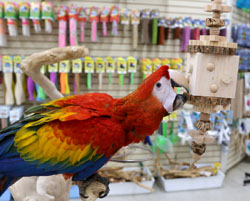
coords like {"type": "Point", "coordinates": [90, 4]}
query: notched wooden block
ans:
{"type": "Point", "coordinates": [220, 82]}
{"type": "Point", "coordinates": [218, 8]}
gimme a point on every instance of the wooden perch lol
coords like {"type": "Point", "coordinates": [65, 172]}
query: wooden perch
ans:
{"type": "Point", "coordinates": [32, 65]}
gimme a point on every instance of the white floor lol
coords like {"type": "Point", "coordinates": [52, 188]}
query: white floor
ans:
{"type": "Point", "coordinates": [233, 190]}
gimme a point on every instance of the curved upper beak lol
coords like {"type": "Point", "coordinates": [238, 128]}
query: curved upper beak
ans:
{"type": "Point", "coordinates": [178, 79]}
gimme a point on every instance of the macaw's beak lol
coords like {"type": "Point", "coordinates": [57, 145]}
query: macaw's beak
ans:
{"type": "Point", "coordinates": [179, 101]}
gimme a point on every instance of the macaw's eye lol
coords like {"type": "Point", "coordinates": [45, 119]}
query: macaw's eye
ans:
{"type": "Point", "coordinates": [158, 85]}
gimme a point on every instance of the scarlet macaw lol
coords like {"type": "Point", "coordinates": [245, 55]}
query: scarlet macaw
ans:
{"type": "Point", "coordinates": [79, 134]}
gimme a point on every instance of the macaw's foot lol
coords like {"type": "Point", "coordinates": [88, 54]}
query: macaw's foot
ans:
{"type": "Point", "coordinates": [94, 185]}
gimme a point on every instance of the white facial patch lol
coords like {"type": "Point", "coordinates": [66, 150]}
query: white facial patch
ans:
{"type": "Point", "coordinates": [164, 92]}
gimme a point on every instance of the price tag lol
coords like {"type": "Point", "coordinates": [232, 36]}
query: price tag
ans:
{"type": "Point", "coordinates": [89, 65]}
{"type": "Point", "coordinates": [132, 64]}
{"type": "Point", "coordinates": [64, 66]}
{"type": "Point", "coordinates": [7, 64]}
{"type": "Point", "coordinates": [53, 68]}
{"type": "Point", "coordinates": [100, 65]}
{"type": "Point", "coordinates": [110, 65]}
{"type": "Point", "coordinates": [121, 65]}
{"type": "Point", "coordinates": [4, 111]}
{"type": "Point", "coordinates": [17, 64]}
{"type": "Point", "coordinates": [16, 114]}
{"type": "Point", "coordinates": [77, 65]}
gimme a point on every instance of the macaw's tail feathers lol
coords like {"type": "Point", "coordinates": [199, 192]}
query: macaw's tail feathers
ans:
{"type": "Point", "coordinates": [5, 182]}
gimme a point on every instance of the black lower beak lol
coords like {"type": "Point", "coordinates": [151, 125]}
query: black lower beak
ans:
{"type": "Point", "coordinates": [179, 101]}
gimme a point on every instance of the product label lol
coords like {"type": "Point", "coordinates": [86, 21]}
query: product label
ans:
{"type": "Point", "coordinates": [53, 68]}
{"type": "Point", "coordinates": [4, 111]}
{"type": "Point", "coordinates": [114, 14]}
{"type": "Point", "coordinates": [89, 65]}
{"type": "Point", "coordinates": [94, 13]}
{"type": "Point", "coordinates": [24, 10]}
{"type": "Point", "coordinates": [43, 69]}
{"type": "Point", "coordinates": [17, 64]}
{"type": "Point", "coordinates": [83, 16]}
{"type": "Point", "coordinates": [125, 16]}
{"type": "Point", "coordinates": [77, 65]}
{"type": "Point", "coordinates": [35, 10]}
{"type": "Point", "coordinates": [104, 14]}
{"type": "Point", "coordinates": [64, 66]}
{"type": "Point", "coordinates": [7, 64]}
{"type": "Point", "coordinates": [121, 65]}
{"type": "Point", "coordinates": [132, 64]}
{"type": "Point", "coordinates": [110, 65]}
{"type": "Point", "coordinates": [100, 65]}
{"type": "Point", "coordinates": [10, 10]}
{"type": "Point", "coordinates": [147, 65]}
{"type": "Point", "coordinates": [156, 64]}
{"type": "Point", "coordinates": [47, 10]}
{"type": "Point", "coordinates": [135, 17]}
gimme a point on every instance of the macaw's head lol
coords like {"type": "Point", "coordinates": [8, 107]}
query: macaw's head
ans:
{"type": "Point", "coordinates": [160, 85]}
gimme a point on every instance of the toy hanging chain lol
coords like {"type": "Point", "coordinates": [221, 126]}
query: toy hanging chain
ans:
{"type": "Point", "coordinates": [104, 19]}
{"type": "Point", "coordinates": [145, 15]}
{"type": "Point", "coordinates": [215, 59]}
{"type": "Point", "coordinates": [48, 15]}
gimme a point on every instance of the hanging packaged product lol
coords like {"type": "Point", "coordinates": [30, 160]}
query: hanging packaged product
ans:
{"type": "Point", "coordinates": [156, 64]}
{"type": "Point", "coordinates": [11, 14]}
{"type": "Point", "coordinates": [73, 18]}
{"type": "Point", "coordinates": [104, 19]}
{"type": "Point", "coordinates": [203, 27]}
{"type": "Point", "coordinates": [135, 21]}
{"type": "Point", "coordinates": [19, 90]}
{"type": "Point", "coordinates": [165, 62]}
{"type": "Point", "coordinates": [77, 70]}
{"type": "Point", "coordinates": [132, 68]}
{"type": "Point", "coordinates": [154, 17]}
{"type": "Point", "coordinates": [53, 69]}
{"type": "Point", "coordinates": [110, 67]}
{"type": "Point", "coordinates": [16, 114]}
{"type": "Point", "coordinates": [100, 69]}
{"type": "Point", "coordinates": [64, 68]}
{"type": "Point", "coordinates": [94, 19]}
{"type": "Point", "coordinates": [82, 18]}
{"type": "Point", "coordinates": [89, 68]}
{"type": "Point", "coordinates": [41, 95]}
{"type": "Point", "coordinates": [145, 16]}
{"type": "Point", "coordinates": [167, 28]}
{"type": "Point", "coordinates": [48, 15]}
{"type": "Point", "coordinates": [24, 15]}
{"type": "Point", "coordinates": [62, 16]}
{"type": "Point", "coordinates": [146, 67]}
{"type": "Point", "coordinates": [161, 30]}
{"type": "Point", "coordinates": [35, 15]}
{"type": "Point", "coordinates": [195, 32]}
{"type": "Point", "coordinates": [186, 33]}
{"type": "Point", "coordinates": [114, 18]}
{"type": "Point", "coordinates": [8, 79]}
{"type": "Point", "coordinates": [125, 14]}
{"type": "Point", "coordinates": [3, 37]}
{"type": "Point", "coordinates": [4, 115]}
{"type": "Point", "coordinates": [176, 64]}
{"type": "Point", "coordinates": [121, 69]}
{"type": "Point", "coordinates": [177, 25]}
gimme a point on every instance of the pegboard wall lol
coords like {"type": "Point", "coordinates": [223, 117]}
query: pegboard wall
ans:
{"type": "Point", "coordinates": [120, 45]}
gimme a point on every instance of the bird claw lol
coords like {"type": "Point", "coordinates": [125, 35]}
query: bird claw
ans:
{"type": "Point", "coordinates": [94, 178]}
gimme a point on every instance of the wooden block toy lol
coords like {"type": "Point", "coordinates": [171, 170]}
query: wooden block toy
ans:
{"type": "Point", "coordinates": [212, 69]}
{"type": "Point", "coordinates": [217, 72]}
